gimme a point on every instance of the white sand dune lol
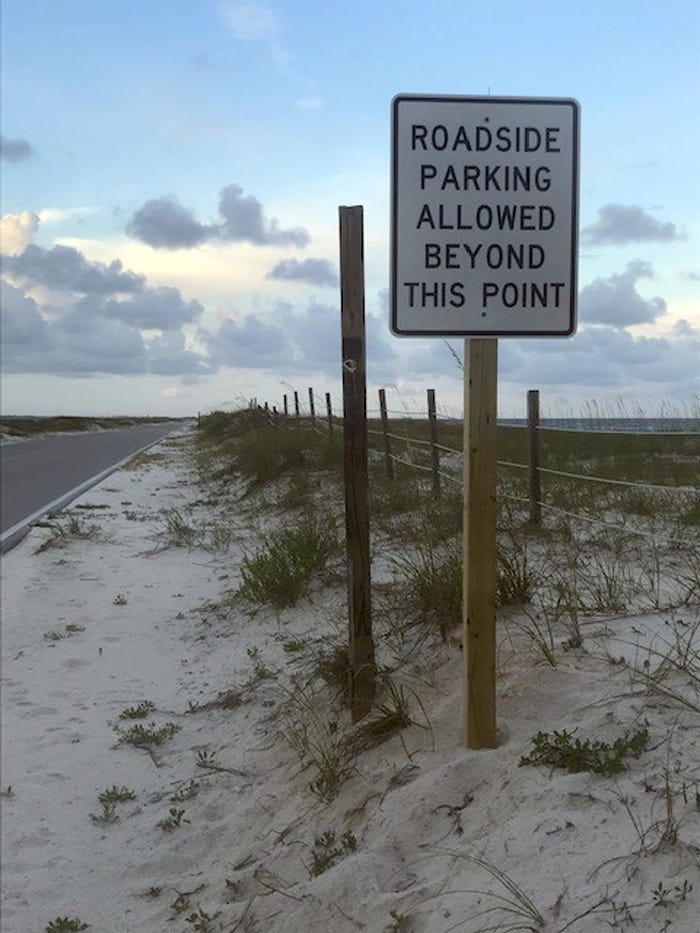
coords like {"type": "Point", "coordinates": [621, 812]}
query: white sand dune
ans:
{"type": "Point", "coordinates": [618, 853]}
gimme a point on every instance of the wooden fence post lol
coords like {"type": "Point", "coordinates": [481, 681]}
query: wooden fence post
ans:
{"type": "Point", "coordinates": [329, 410]}
{"type": "Point", "coordinates": [435, 456]}
{"type": "Point", "coordinates": [311, 407]}
{"type": "Point", "coordinates": [352, 305]}
{"type": "Point", "coordinates": [533, 439]}
{"type": "Point", "coordinates": [479, 578]}
{"type": "Point", "coordinates": [296, 405]}
{"type": "Point", "coordinates": [285, 406]}
{"type": "Point", "coordinates": [385, 431]}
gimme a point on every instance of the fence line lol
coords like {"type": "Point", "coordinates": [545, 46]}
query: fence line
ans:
{"type": "Point", "coordinates": [549, 427]}
{"type": "Point", "coordinates": [517, 466]}
{"type": "Point", "coordinates": [619, 482]}
{"type": "Point", "coordinates": [418, 466]}
{"type": "Point", "coordinates": [691, 490]}
{"type": "Point", "coordinates": [432, 444]}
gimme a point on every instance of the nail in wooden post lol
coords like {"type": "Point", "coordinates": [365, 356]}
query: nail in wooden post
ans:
{"type": "Point", "coordinates": [352, 306]}
{"type": "Point", "coordinates": [479, 579]}
{"type": "Point", "coordinates": [533, 439]}
{"type": "Point", "coordinates": [434, 454]}
{"type": "Point", "coordinates": [385, 431]}
{"type": "Point", "coordinates": [329, 410]}
{"type": "Point", "coordinates": [311, 407]}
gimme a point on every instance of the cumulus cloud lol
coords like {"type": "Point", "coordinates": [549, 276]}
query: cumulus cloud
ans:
{"type": "Point", "coordinates": [22, 323]}
{"type": "Point", "coordinates": [616, 301]}
{"type": "Point", "coordinates": [312, 271]}
{"type": "Point", "coordinates": [63, 268]}
{"type": "Point", "coordinates": [165, 224]}
{"type": "Point", "coordinates": [15, 150]}
{"type": "Point", "coordinates": [160, 308]}
{"type": "Point", "coordinates": [606, 357]}
{"type": "Point", "coordinates": [17, 231]}
{"type": "Point", "coordinates": [92, 319]}
{"type": "Point", "coordinates": [308, 341]}
{"type": "Point", "coordinates": [620, 223]}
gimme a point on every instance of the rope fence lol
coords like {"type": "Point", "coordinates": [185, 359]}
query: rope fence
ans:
{"type": "Point", "coordinates": [535, 500]}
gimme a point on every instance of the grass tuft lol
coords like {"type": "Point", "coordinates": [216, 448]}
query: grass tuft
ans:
{"type": "Point", "coordinates": [280, 572]}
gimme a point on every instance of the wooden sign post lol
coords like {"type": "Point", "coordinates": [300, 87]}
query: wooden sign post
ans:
{"type": "Point", "coordinates": [352, 307]}
{"type": "Point", "coordinates": [479, 547]}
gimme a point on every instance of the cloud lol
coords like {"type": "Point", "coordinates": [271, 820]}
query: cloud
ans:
{"type": "Point", "coordinates": [15, 150]}
{"type": "Point", "coordinates": [308, 341]}
{"type": "Point", "coordinates": [163, 223]}
{"type": "Point", "coordinates": [53, 215]}
{"type": "Point", "coordinates": [22, 323]}
{"type": "Point", "coordinates": [92, 319]}
{"type": "Point", "coordinates": [619, 224]}
{"type": "Point", "coordinates": [243, 220]}
{"type": "Point", "coordinates": [250, 21]}
{"type": "Point", "coordinates": [616, 301]}
{"type": "Point", "coordinates": [606, 357]}
{"type": "Point", "coordinates": [17, 231]}
{"type": "Point", "coordinates": [312, 271]}
{"type": "Point", "coordinates": [154, 308]}
{"type": "Point", "coordinates": [63, 268]}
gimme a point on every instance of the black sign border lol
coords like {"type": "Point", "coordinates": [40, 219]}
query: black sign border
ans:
{"type": "Point", "coordinates": [452, 98]}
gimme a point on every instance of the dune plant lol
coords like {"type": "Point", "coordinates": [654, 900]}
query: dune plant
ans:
{"type": "Point", "coordinates": [148, 736]}
{"type": "Point", "coordinates": [328, 849]}
{"type": "Point", "coordinates": [280, 571]}
{"type": "Point", "coordinates": [67, 925]}
{"type": "Point", "coordinates": [562, 750]}
{"type": "Point", "coordinates": [139, 711]}
{"type": "Point", "coordinates": [116, 794]}
{"type": "Point", "coordinates": [318, 742]}
{"type": "Point", "coordinates": [429, 586]}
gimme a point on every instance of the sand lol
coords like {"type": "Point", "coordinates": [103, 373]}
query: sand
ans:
{"type": "Point", "coordinates": [429, 836]}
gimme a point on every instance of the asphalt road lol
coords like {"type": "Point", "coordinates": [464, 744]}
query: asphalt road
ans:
{"type": "Point", "coordinates": [37, 472]}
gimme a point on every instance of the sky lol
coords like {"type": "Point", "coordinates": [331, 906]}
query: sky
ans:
{"type": "Point", "coordinates": [171, 172]}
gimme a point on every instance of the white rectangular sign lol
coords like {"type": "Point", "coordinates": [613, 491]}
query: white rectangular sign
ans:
{"type": "Point", "coordinates": [484, 216]}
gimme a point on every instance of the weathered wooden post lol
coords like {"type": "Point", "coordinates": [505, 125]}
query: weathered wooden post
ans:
{"type": "Point", "coordinates": [389, 463]}
{"type": "Point", "coordinates": [311, 407]}
{"type": "Point", "coordinates": [296, 406]}
{"type": "Point", "coordinates": [329, 411]}
{"type": "Point", "coordinates": [434, 454]}
{"type": "Point", "coordinates": [285, 407]}
{"type": "Point", "coordinates": [352, 305]}
{"type": "Point", "coordinates": [533, 443]}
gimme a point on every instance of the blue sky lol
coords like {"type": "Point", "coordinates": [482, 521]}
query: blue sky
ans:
{"type": "Point", "coordinates": [172, 169]}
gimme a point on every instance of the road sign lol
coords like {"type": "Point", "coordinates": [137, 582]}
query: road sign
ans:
{"type": "Point", "coordinates": [484, 216]}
